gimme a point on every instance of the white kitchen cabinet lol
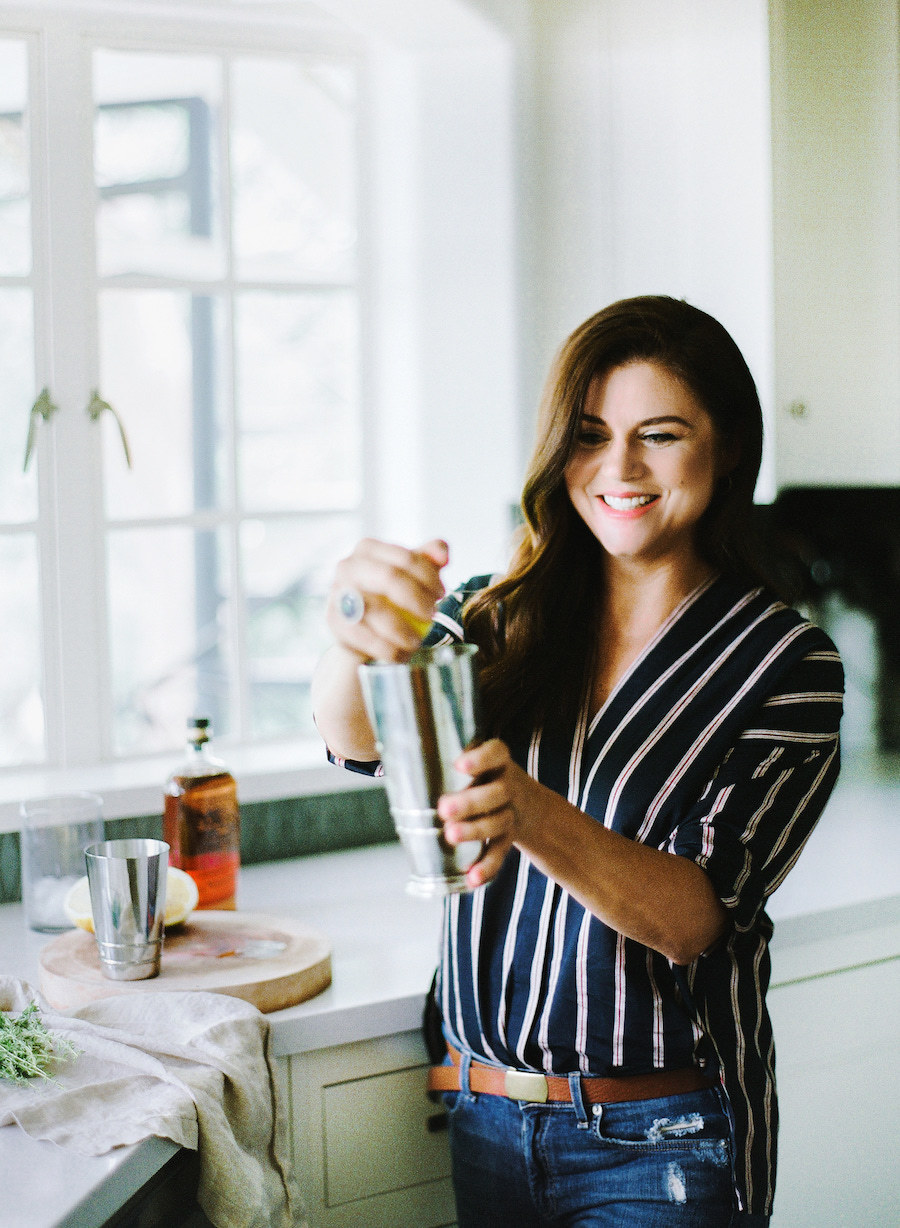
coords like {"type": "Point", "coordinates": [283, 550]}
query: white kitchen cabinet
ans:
{"type": "Point", "coordinates": [365, 1157]}
{"type": "Point", "coordinates": [839, 1085]}
{"type": "Point", "coordinates": [836, 233]}
{"type": "Point", "coordinates": [366, 1151]}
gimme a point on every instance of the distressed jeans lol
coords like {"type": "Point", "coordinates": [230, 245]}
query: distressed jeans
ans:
{"type": "Point", "coordinates": [642, 1164]}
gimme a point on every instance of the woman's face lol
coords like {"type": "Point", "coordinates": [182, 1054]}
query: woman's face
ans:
{"type": "Point", "coordinates": [645, 464]}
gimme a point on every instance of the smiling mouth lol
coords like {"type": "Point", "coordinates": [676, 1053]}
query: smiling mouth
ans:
{"type": "Point", "coordinates": [627, 503]}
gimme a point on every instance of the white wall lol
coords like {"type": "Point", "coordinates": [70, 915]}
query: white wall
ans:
{"type": "Point", "coordinates": [444, 385]}
{"type": "Point", "coordinates": [654, 165]}
{"type": "Point", "coordinates": [640, 163]}
{"type": "Point", "coordinates": [532, 161]}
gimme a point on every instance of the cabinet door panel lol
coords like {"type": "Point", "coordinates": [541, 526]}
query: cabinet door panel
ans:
{"type": "Point", "coordinates": [835, 131]}
{"type": "Point", "coordinates": [376, 1136]}
{"type": "Point", "coordinates": [363, 1153]}
{"type": "Point", "coordinates": [838, 1087]}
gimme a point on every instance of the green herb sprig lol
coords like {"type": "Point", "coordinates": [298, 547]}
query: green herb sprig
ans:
{"type": "Point", "coordinates": [27, 1048]}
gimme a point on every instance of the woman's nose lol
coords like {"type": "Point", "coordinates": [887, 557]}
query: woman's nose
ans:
{"type": "Point", "coordinates": [621, 459]}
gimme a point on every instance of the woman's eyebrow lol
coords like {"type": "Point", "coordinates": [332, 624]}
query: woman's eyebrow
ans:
{"type": "Point", "coordinates": [645, 421]}
{"type": "Point", "coordinates": [667, 418]}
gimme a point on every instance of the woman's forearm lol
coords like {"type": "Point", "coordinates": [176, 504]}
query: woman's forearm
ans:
{"type": "Point", "coordinates": [662, 900]}
{"type": "Point", "coordinates": [338, 707]}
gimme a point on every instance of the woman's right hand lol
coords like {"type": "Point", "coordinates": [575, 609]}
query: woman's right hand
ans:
{"type": "Point", "coordinates": [398, 588]}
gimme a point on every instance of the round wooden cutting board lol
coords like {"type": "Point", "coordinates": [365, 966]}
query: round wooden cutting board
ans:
{"type": "Point", "coordinates": [270, 961]}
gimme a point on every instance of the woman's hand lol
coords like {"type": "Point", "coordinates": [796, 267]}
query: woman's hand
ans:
{"type": "Point", "coordinates": [389, 593]}
{"type": "Point", "coordinates": [393, 590]}
{"type": "Point", "coordinates": [491, 809]}
{"type": "Point", "coordinates": [662, 900]}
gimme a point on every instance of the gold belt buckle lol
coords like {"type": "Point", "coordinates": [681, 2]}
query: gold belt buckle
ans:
{"type": "Point", "coordinates": [526, 1085]}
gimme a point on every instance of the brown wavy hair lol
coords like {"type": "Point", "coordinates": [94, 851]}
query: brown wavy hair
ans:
{"type": "Point", "coordinates": [537, 627]}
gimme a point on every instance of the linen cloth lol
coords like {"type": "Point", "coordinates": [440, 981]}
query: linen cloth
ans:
{"type": "Point", "coordinates": [193, 1067]}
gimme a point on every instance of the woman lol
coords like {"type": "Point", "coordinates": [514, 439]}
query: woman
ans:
{"type": "Point", "coordinates": [661, 737]}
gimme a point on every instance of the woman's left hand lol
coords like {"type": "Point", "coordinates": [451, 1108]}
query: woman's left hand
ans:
{"type": "Point", "coordinates": [658, 898]}
{"type": "Point", "coordinates": [491, 809]}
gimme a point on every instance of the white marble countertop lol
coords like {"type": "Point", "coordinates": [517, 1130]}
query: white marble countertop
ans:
{"type": "Point", "coordinates": [839, 907]}
{"type": "Point", "coordinates": [47, 1187]}
{"type": "Point", "coordinates": [384, 942]}
{"type": "Point", "coordinates": [384, 951]}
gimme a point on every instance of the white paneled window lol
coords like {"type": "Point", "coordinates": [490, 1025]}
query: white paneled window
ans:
{"type": "Point", "coordinates": [257, 297]}
{"type": "Point", "coordinates": [180, 302]}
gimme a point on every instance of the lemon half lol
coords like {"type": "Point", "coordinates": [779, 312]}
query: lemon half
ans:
{"type": "Point", "coordinates": [181, 900]}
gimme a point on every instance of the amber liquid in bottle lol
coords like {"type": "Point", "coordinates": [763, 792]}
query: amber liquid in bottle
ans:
{"type": "Point", "coordinates": [201, 822]}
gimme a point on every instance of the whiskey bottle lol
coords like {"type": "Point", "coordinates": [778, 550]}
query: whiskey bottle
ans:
{"type": "Point", "coordinates": [201, 821]}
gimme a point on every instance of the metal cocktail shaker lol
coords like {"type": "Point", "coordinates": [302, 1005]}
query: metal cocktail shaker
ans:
{"type": "Point", "coordinates": [424, 714]}
{"type": "Point", "coordinates": [127, 882]}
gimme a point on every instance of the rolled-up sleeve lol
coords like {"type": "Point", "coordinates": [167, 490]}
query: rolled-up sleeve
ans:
{"type": "Point", "coordinates": [362, 767]}
{"type": "Point", "coordinates": [760, 808]}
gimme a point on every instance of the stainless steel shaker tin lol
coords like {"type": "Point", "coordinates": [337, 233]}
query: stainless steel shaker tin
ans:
{"type": "Point", "coordinates": [424, 714]}
{"type": "Point", "coordinates": [127, 882]}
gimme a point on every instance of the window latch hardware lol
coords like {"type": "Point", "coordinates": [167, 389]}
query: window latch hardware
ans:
{"type": "Point", "coordinates": [96, 406]}
{"type": "Point", "coordinates": [44, 408]}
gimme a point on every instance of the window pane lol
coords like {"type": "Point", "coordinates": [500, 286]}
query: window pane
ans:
{"type": "Point", "coordinates": [257, 386]}
{"type": "Point", "coordinates": [297, 401]}
{"type": "Point", "coordinates": [293, 166]}
{"type": "Point", "coordinates": [15, 241]}
{"type": "Point", "coordinates": [171, 634]}
{"type": "Point", "coordinates": [286, 569]}
{"type": "Point", "coordinates": [156, 165]}
{"type": "Point", "coordinates": [18, 493]}
{"type": "Point", "coordinates": [161, 369]}
{"type": "Point", "coordinates": [21, 708]}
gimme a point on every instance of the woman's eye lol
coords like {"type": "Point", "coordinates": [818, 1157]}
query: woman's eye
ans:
{"type": "Point", "coordinates": [590, 439]}
{"type": "Point", "coordinates": [659, 438]}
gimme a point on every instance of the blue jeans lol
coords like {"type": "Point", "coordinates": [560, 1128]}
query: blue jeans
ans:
{"type": "Point", "coordinates": [642, 1164]}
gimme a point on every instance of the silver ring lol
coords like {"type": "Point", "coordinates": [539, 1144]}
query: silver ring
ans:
{"type": "Point", "coordinates": [351, 605]}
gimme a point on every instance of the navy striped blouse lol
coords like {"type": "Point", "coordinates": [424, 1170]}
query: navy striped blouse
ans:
{"type": "Point", "coordinates": [719, 744]}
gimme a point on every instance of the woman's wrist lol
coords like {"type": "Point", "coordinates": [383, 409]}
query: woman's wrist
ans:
{"type": "Point", "coordinates": [354, 656]}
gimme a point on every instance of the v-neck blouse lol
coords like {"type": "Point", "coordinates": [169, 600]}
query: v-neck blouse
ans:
{"type": "Point", "coordinates": [720, 744]}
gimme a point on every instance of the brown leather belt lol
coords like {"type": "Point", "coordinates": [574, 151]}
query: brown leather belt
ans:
{"type": "Point", "coordinates": [540, 1088]}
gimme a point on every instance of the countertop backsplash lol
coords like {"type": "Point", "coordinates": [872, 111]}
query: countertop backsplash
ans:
{"type": "Point", "coordinates": [270, 831]}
